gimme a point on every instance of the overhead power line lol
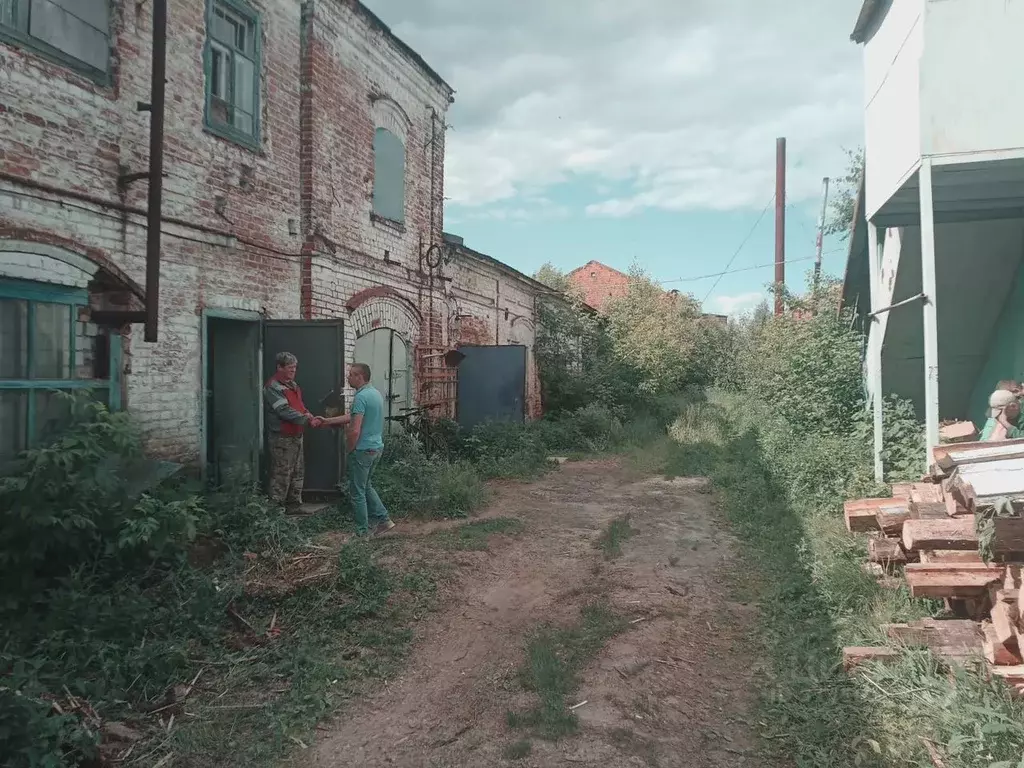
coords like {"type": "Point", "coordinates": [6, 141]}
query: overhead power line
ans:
{"type": "Point", "coordinates": [741, 269]}
{"type": "Point", "coordinates": [746, 240]}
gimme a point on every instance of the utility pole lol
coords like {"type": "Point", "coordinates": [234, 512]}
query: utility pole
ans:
{"type": "Point", "coordinates": [821, 230]}
{"type": "Point", "coordinates": [780, 224]}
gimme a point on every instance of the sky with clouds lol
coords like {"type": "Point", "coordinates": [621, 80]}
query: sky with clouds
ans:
{"type": "Point", "coordinates": [643, 132]}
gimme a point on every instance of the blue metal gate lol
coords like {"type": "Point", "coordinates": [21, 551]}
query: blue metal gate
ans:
{"type": "Point", "coordinates": [492, 385]}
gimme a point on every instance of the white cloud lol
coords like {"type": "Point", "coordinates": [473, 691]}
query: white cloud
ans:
{"type": "Point", "coordinates": [735, 306]}
{"type": "Point", "coordinates": [680, 101]}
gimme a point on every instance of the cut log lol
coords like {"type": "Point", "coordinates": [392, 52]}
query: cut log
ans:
{"type": "Point", "coordinates": [959, 534]}
{"type": "Point", "coordinates": [951, 635]}
{"type": "Point", "coordinates": [926, 493]}
{"type": "Point", "coordinates": [935, 510]}
{"type": "Point", "coordinates": [860, 520]}
{"type": "Point", "coordinates": [855, 655]}
{"type": "Point", "coordinates": [891, 518]}
{"type": "Point", "coordinates": [886, 551]}
{"type": "Point", "coordinates": [940, 534]}
{"type": "Point", "coordinates": [902, 491]}
{"type": "Point", "coordinates": [962, 493]}
{"type": "Point", "coordinates": [958, 432]}
{"type": "Point", "coordinates": [995, 652]}
{"type": "Point", "coordinates": [950, 556]}
{"type": "Point", "coordinates": [954, 508]}
{"type": "Point", "coordinates": [1004, 625]}
{"type": "Point", "coordinates": [954, 581]}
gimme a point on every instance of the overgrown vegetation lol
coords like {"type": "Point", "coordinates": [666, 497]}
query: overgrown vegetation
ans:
{"type": "Point", "coordinates": [784, 449]}
{"type": "Point", "coordinates": [125, 598]}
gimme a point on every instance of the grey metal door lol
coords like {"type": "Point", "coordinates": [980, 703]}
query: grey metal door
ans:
{"type": "Point", "coordinates": [491, 385]}
{"type": "Point", "coordinates": [320, 347]}
{"type": "Point", "coordinates": [387, 354]}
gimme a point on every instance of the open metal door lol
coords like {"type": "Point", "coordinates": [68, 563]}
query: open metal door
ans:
{"type": "Point", "coordinates": [492, 385]}
{"type": "Point", "coordinates": [233, 400]}
{"type": "Point", "coordinates": [387, 354]}
{"type": "Point", "coordinates": [320, 347]}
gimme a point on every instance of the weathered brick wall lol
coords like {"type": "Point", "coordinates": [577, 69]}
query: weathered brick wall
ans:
{"type": "Point", "coordinates": [66, 131]}
{"type": "Point", "coordinates": [497, 307]}
{"type": "Point", "coordinates": [331, 74]}
{"type": "Point", "coordinates": [599, 283]}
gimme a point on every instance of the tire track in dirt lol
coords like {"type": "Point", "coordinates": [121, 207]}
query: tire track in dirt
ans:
{"type": "Point", "coordinates": [672, 690]}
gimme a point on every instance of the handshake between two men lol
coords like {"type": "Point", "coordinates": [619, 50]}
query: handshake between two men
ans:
{"type": "Point", "coordinates": [318, 422]}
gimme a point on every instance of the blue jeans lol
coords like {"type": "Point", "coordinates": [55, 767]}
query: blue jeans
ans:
{"type": "Point", "coordinates": [367, 508]}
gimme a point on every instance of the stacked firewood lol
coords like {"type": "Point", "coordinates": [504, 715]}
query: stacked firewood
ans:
{"type": "Point", "coordinates": [929, 532]}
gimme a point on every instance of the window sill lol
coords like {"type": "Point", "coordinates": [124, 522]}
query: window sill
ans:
{"type": "Point", "coordinates": [384, 221]}
{"type": "Point", "coordinates": [242, 140]}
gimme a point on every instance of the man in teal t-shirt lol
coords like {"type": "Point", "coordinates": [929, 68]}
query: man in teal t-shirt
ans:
{"type": "Point", "coordinates": [365, 442]}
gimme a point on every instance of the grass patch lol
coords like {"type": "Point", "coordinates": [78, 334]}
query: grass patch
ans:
{"type": "Point", "coordinates": [612, 537]}
{"type": "Point", "coordinates": [554, 660]}
{"type": "Point", "coordinates": [783, 495]}
{"type": "Point", "coordinates": [517, 750]}
{"type": "Point", "coordinates": [474, 536]}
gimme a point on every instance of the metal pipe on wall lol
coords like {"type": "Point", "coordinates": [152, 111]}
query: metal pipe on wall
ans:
{"type": "Point", "coordinates": [156, 167]}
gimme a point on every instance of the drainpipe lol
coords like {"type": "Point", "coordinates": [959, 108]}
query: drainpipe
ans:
{"type": "Point", "coordinates": [156, 167]}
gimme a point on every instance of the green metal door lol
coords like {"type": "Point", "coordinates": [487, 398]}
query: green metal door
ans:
{"type": "Point", "coordinates": [233, 402]}
{"type": "Point", "coordinates": [387, 354]}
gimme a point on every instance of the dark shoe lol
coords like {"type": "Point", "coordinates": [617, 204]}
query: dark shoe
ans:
{"type": "Point", "coordinates": [383, 528]}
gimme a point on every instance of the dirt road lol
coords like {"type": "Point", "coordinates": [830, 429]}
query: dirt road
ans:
{"type": "Point", "coordinates": [672, 689]}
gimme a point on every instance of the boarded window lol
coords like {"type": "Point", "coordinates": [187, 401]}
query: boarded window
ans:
{"type": "Point", "coordinates": [232, 82]}
{"type": "Point", "coordinates": [71, 29]}
{"type": "Point", "coordinates": [388, 175]}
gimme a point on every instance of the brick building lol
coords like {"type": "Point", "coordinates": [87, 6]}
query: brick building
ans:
{"type": "Point", "coordinates": [598, 283]}
{"type": "Point", "coordinates": [303, 190]}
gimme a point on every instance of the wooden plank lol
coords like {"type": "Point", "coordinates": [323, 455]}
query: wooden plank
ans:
{"type": "Point", "coordinates": [962, 493]}
{"type": "Point", "coordinates": [958, 432]}
{"type": "Point", "coordinates": [926, 493]}
{"type": "Point", "coordinates": [891, 518]}
{"type": "Point", "coordinates": [929, 511]}
{"type": "Point", "coordinates": [860, 520]}
{"type": "Point", "coordinates": [1004, 627]}
{"type": "Point", "coordinates": [950, 455]}
{"type": "Point", "coordinates": [855, 655]}
{"type": "Point", "coordinates": [957, 582]}
{"type": "Point", "coordinates": [955, 533]}
{"type": "Point", "coordinates": [995, 651]}
{"type": "Point", "coordinates": [886, 551]}
{"type": "Point", "coordinates": [948, 635]}
{"type": "Point", "coordinates": [950, 556]}
{"type": "Point", "coordinates": [902, 490]}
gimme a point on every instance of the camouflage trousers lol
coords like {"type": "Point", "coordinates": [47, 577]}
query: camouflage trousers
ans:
{"type": "Point", "coordinates": [287, 469]}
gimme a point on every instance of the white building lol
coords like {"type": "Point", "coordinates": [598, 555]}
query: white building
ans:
{"type": "Point", "coordinates": [939, 233]}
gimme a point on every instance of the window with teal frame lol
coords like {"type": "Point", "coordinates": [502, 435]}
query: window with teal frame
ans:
{"type": "Point", "coordinates": [44, 348]}
{"type": "Point", "coordinates": [232, 62]}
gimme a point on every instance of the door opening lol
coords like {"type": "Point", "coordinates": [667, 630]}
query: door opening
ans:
{"type": "Point", "coordinates": [233, 400]}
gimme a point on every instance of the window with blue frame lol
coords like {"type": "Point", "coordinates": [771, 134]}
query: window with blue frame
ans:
{"type": "Point", "coordinates": [45, 348]}
{"type": "Point", "coordinates": [73, 32]}
{"type": "Point", "coordinates": [233, 71]}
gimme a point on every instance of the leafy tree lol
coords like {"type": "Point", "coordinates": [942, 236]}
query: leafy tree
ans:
{"type": "Point", "coordinates": [552, 277]}
{"type": "Point", "coordinates": [844, 195]}
{"type": "Point", "coordinates": [655, 332]}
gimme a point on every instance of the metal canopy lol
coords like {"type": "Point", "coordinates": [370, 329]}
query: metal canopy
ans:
{"type": "Point", "coordinates": [981, 191]}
